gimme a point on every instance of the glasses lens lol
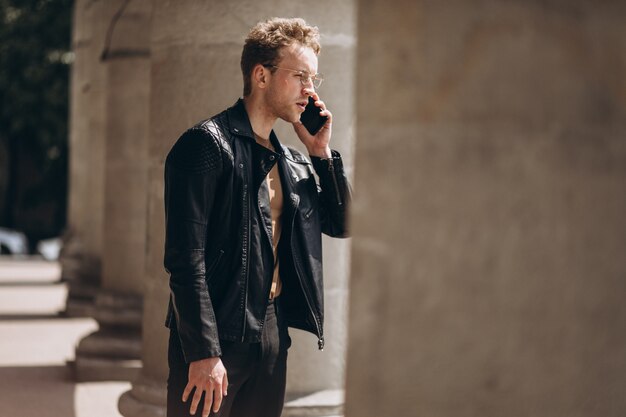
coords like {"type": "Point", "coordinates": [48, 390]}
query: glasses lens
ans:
{"type": "Point", "coordinates": [306, 78]}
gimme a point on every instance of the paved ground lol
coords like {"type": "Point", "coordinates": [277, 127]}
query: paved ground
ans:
{"type": "Point", "coordinates": [36, 343]}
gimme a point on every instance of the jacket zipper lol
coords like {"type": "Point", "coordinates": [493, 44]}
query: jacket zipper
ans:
{"type": "Point", "coordinates": [320, 337]}
{"type": "Point", "coordinates": [331, 168]}
{"type": "Point", "coordinates": [247, 272]}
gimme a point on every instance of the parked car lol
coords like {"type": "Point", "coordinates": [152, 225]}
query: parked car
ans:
{"type": "Point", "coordinates": [13, 242]}
{"type": "Point", "coordinates": [50, 248]}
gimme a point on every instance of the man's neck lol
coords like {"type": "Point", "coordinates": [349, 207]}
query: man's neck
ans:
{"type": "Point", "coordinates": [260, 120]}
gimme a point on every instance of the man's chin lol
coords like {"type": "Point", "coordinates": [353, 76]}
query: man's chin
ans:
{"type": "Point", "coordinates": [291, 118]}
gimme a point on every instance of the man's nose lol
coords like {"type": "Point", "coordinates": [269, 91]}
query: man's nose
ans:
{"type": "Point", "coordinates": [309, 89]}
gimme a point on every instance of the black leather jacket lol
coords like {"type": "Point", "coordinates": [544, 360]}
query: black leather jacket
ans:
{"type": "Point", "coordinates": [218, 233]}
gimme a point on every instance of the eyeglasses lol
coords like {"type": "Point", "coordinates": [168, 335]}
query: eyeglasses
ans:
{"type": "Point", "coordinates": [305, 77]}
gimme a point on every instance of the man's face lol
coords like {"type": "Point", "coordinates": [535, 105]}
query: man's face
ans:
{"type": "Point", "coordinates": [286, 96]}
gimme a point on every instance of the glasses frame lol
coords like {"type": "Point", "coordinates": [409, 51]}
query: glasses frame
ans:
{"type": "Point", "coordinates": [305, 76]}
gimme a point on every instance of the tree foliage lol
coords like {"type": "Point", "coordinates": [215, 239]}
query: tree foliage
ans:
{"type": "Point", "coordinates": [35, 56]}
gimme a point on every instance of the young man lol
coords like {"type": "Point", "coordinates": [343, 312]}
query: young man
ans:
{"type": "Point", "coordinates": [244, 217]}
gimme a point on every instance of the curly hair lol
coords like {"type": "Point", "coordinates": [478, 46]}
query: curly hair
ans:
{"type": "Point", "coordinates": [265, 41]}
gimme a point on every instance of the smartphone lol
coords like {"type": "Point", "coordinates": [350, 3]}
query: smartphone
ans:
{"type": "Point", "coordinates": [311, 118]}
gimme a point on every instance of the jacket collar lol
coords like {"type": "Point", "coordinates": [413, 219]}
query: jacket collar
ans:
{"type": "Point", "coordinates": [240, 125]}
{"type": "Point", "coordinates": [239, 121]}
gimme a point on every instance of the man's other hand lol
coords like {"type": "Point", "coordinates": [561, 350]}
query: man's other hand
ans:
{"type": "Point", "coordinates": [206, 375]}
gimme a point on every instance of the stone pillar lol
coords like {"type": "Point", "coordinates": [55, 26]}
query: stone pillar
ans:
{"type": "Point", "coordinates": [488, 268]}
{"type": "Point", "coordinates": [82, 248]}
{"type": "Point", "coordinates": [195, 74]}
{"type": "Point", "coordinates": [114, 351]}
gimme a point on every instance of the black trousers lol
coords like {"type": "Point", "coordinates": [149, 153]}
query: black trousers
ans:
{"type": "Point", "coordinates": [256, 373]}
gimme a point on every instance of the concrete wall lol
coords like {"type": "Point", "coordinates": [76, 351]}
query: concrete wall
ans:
{"type": "Point", "coordinates": [489, 235]}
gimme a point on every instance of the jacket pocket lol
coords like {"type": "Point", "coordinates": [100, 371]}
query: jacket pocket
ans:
{"type": "Point", "coordinates": [307, 212]}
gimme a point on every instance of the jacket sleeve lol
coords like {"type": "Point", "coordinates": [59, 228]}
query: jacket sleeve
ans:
{"type": "Point", "coordinates": [192, 170]}
{"type": "Point", "coordinates": [335, 194]}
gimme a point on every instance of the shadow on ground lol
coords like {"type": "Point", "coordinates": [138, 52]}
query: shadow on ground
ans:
{"type": "Point", "coordinates": [36, 391]}
{"type": "Point", "coordinates": [36, 342]}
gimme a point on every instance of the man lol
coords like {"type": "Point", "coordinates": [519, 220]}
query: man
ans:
{"type": "Point", "coordinates": [244, 217]}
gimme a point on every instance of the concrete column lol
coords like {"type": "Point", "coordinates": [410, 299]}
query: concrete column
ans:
{"type": "Point", "coordinates": [114, 351]}
{"type": "Point", "coordinates": [82, 250]}
{"type": "Point", "coordinates": [488, 268]}
{"type": "Point", "coordinates": [195, 74]}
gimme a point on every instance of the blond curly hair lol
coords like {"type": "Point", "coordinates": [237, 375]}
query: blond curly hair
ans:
{"type": "Point", "coordinates": [266, 39]}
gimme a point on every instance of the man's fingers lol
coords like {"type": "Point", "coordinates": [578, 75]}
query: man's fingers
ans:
{"type": "Point", "coordinates": [187, 391]}
{"type": "Point", "coordinates": [225, 385]}
{"type": "Point", "coordinates": [208, 399]}
{"type": "Point", "coordinates": [217, 397]}
{"type": "Point", "coordinates": [197, 396]}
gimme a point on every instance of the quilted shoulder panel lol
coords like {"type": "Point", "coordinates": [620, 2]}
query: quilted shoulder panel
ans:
{"type": "Point", "coordinates": [217, 128]}
{"type": "Point", "coordinates": [196, 151]}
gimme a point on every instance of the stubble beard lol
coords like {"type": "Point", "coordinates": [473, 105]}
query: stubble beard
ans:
{"type": "Point", "coordinates": [283, 110]}
{"type": "Point", "coordinates": [287, 113]}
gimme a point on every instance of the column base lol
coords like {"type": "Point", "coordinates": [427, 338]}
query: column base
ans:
{"type": "Point", "coordinates": [147, 398]}
{"type": "Point", "coordinates": [118, 310]}
{"type": "Point", "coordinates": [105, 355]}
{"type": "Point", "coordinates": [80, 300]}
{"type": "Point", "coordinates": [81, 272]}
{"type": "Point", "coordinates": [114, 351]}
{"type": "Point", "coordinates": [105, 369]}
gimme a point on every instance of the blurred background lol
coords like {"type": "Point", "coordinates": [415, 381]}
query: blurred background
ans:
{"type": "Point", "coordinates": [486, 276]}
{"type": "Point", "coordinates": [35, 59]}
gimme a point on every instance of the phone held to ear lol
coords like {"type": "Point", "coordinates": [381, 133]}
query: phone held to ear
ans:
{"type": "Point", "coordinates": [311, 118]}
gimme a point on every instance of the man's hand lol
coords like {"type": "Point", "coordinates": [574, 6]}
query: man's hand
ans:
{"type": "Point", "coordinates": [206, 375]}
{"type": "Point", "coordinates": [317, 145]}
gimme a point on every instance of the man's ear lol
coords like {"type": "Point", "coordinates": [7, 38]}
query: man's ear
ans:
{"type": "Point", "coordinates": [260, 76]}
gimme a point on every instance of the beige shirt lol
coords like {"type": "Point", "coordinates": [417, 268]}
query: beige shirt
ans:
{"type": "Point", "coordinates": [275, 190]}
